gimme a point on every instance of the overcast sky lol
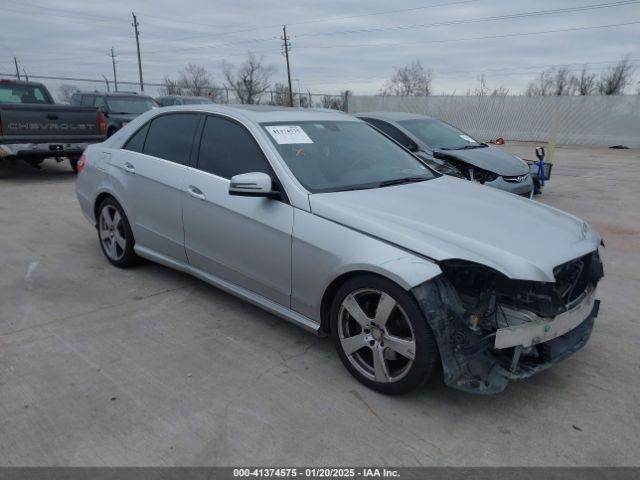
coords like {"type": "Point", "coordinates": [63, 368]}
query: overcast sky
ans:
{"type": "Point", "coordinates": [337, 45]}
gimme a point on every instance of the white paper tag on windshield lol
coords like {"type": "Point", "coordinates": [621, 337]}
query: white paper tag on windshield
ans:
{"type": "Point", "coordinates": [467, 138]}
{"type": "Point", "coordinates": [288, 134]}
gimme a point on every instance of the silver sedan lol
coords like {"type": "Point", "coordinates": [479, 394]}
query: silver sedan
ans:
{"type": "Point", "coordinates": [319, 219]}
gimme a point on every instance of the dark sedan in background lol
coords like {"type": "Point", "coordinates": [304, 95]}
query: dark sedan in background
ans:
{"type": "Point", "coordinates": [118, 108]}
{"type": "Point", "coordinates": [453, 152]}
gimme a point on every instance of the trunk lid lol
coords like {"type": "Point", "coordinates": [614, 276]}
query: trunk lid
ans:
{"type": "Point", "coordinates": [48, 121]}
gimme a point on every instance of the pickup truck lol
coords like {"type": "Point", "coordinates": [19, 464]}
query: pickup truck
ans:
{"type": "Point", "coordinates": [33, 127]}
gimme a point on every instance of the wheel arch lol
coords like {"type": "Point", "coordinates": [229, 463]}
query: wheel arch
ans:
{"type": "Point", "coordinates": [335, 284]}
{"type": "Point", "coordinates": [100, 198]}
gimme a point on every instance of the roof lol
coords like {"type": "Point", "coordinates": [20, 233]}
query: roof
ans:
{"type": "Point", "coordinates": [268, 113]}
{"type": "Point", "coordinates": [114, 94]}
{"type": "Point", "coordinates": [394, 116]}
{"type": "Point", "coordinates": [6, 81]}
{"type": "Point", "coordinates": [183, 96]}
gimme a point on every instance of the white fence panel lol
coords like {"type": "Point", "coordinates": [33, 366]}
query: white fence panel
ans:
{"type": "Point", "coordinates": [582, 120]}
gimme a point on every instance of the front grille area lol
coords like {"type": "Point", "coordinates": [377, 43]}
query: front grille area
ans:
{"type": "Point", "coordinates": [518, 179]}
{"type": "Point", "coordinates": [573, 278]}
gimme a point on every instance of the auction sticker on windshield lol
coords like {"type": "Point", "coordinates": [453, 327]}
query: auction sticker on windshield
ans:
{"type": "Point", "coordinates": [288, 134]}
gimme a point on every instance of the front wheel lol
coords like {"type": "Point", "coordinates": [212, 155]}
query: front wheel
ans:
{"type": "Point", "coordinates": [115, 235]}
{"type": "Point", "coordinates": [381, 335]}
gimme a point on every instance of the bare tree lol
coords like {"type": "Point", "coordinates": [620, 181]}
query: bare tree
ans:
{"type": "Point", "coordinates": [65, 91]}
{"type": "Point", "coordinates": [333, 102]}
{"type": "Point", "coordinates": [564, 83]}
{"type": "Point", "coordinates": [543, 85]}
{"type": "Point", "coordinates": [250, 80]}
{"type": "Point", "coordinates": [170, 87]}
{"type": "Point", "coordinates": [412, 79]}
{"type": "Point", "coordinates": [585, 82]}
{"type": "Point", "coordinates": [500, 91]}
{"type": "Point", "coordinates": [615, 79]}
{"type": "Point", "coordinates": [195, 79]}
{"type": "Point", "coordinates": [280, 95]}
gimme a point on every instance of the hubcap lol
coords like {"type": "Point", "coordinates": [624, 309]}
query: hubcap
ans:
{"type": "Point", "coordinates": [112, 234]}
{"type": "Point", "coordinates": [376, 335]}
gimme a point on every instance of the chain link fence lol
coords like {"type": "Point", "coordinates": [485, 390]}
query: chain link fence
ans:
{"type": "Point", "coordinates": [581, 120]}
{"type": "Point", "coordinates": [61, 86]}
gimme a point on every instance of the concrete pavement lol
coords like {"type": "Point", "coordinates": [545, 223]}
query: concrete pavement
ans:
{"type": "Point", "coordinates": [101, 366]}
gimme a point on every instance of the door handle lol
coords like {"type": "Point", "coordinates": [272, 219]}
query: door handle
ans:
{"type": "Point", "coordinates": [129, 168]}
{"type": "Point", "coordinates": [195, 192]}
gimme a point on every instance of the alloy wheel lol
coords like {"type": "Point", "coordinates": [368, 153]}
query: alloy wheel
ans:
{"type": "Point", "coordinates": [112, 232]}
{"type": "Point", "coordinates": [376, 335]}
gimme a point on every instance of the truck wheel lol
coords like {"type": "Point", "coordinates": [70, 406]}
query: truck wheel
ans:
{"type": "Point", "coordinates": [74, 164]}
{"type": "Point", "coordinates": [381, 335]}
{"type": "Point", "coordinates": [115, 235]}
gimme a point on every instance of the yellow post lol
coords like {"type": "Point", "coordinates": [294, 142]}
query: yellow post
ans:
{"type": "Point", "coordinates": [553, 136]}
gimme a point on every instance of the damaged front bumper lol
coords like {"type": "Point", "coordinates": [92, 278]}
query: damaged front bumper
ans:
{"type": "Point", "coordinates": [526, 344]}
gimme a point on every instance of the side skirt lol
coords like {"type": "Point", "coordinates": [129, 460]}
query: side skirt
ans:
{"type": "Point", "coordinates": [243, 293]}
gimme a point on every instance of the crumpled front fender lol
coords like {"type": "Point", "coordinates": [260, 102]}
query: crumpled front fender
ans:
{"type": "Point", "coordinates": [469, 362]}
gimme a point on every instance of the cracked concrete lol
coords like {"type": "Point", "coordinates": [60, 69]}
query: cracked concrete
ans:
{"type": "Point", "coordinates": [100, 366]}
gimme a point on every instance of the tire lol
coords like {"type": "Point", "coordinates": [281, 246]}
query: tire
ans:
{"type": "Point", "coordinates": [74, 164]}
{"type": "Point", "coordinates": [115, 235]}
{"type": "Point", "coordinates": [111, 131]}
{"type": "Point", "coordinates": [369, 341]}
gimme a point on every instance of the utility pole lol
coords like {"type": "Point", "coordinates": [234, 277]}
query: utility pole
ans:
{"type": "Point", "coordinates": [113, 62]}
{"type": "Point", "coordinates": [135, 26]}
{"type": "Point", "coordinates": [25, 74]}
{"type": "Point", "coordinates": [15, 60]}
{"type": "Point", "coordinates": [287, 46]}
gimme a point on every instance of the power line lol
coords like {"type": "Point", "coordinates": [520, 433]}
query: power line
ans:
{"type": "Point", "coordinates": [318, 20]}
{"type": "Point", "coordinates": [394, 44]}
{"type": "Point", "coordinates": [58, 12]}
{"type": "Point", "coordinates": [386, 12]}
{"type": "Point", "coordinates": [511, 16]}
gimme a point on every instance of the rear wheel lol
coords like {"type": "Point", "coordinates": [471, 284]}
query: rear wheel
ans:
{"type": "Point", "coordinates": [381, 335]}
{"type": "Point", "coordinates": [115, 235]}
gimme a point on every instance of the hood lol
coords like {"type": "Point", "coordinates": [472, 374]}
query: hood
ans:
{"type": "Point", "coordinates": [490, 158]}
{"type": "Point", "coordinates": [447, 218]}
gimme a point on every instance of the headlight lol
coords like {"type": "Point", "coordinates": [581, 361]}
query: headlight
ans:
{"type": "Point", "coordinates": [483, 176]}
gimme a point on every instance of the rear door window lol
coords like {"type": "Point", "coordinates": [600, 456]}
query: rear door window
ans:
{"type": "Point", "coordinates": [170, 137]}
{"type": "Point", "coordinates": [136, 142]}
{"type": "Point", "coordinates": [228, 149]}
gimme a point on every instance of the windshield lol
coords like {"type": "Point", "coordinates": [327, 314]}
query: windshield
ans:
{"type": "Point", "coordinates": [129, 104]}
{"type": "Point", "coordinates": [329, 156]}
{"type": "Point", "coordinates": [437, 134]}
{"type": "Point", "coordinates": [22, 94]}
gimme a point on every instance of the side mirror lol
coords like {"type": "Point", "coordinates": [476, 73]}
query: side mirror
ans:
{"type": "Point", "coordinates": [254, 184]}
